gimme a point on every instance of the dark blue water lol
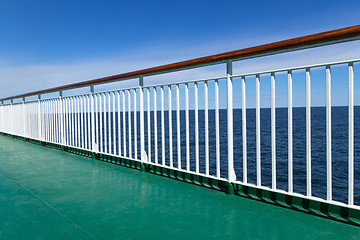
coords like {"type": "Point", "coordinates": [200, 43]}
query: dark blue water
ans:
{"type": "Point", "coordinates": [318, 146]}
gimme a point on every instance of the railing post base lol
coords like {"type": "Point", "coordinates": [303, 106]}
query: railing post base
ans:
{"type": "Point", "coordinates": [142, 167]}
{"type": "Point", "coordinates": [231, 189]}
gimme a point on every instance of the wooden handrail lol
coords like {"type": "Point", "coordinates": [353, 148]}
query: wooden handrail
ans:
{"type": "Point", "coordinates": [309, 41]}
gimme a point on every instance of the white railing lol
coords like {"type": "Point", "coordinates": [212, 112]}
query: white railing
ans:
{"type": "Point", "coordinates": [163, 125]}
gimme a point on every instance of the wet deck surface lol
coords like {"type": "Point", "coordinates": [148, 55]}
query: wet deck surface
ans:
{"type": "Point", "coordinates": [48, 194]}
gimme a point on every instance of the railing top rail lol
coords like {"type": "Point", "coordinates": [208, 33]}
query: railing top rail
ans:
{"type": "Point", "coordinates": [304, 42]}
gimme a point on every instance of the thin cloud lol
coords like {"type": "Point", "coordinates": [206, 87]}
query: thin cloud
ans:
{"type": "Point", "coordinates": [21, 79]}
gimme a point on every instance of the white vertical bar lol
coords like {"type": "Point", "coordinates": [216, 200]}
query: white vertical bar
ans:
{"type": "Point", "coordinates": [46, 132]}
{"type": "Point", "coordinates": [19, 117]}
{"type": "Point", "coordinates": [105, 123]}
{"type": "Point", "coordinates": [12, 118]}
{"type": "Point", "coordinates": [78, 121]}
{"type": "Point", "coordinates": [86, 120]}
{"type": "Point", "coordinates": [43, 122]}
{"type": "Point", "coordinates": [69, 128]}
{"type": "Point", "coordinates": [72, 131]}
{"type": "Point", "coordinates": [273, 132]}
{"type": "Point", "coordinates": [79, 135]}
{"type": "Point", "coordinates": [54, 111]}
{"type": "Point", "coordinates": [84, 128]}
{"type": "Point", "coordinates": [61, 113]}
{"type": "Point", "coordinates": [28, 121]}
{"type": "Point", "coordinates": [196, 127]}
{"type": "Point", "coordinates": [142, 122]}
{"type": "Point", "coordinates": [162, 127]}
{"type": "Point", "coordinates": [351, 135]}
{"type": "Point", "coordinates": [258, 143]}
{"type": "Point", "coordinates": [70, 121]}
{"type": "Point", "coordinates": [35, 120]}
{"type": "Point", "coordinates": [94, 121]}
{"type": "Point", "coordinates": [15, 119]}
{"type": "Point", "coordinates": [155, 129]}
{"type": "Point", "coordinates": [101, 141]}
{"type": "Point", "coordinates": [290, 134]}
{"type": "Point", "coordinates": [46, 111]}
{"type": "Point", "coordinates": [77, 126]}
{"type": "Point", "coordinates": [244, 137]}
{"type": "Point", "coordinates": [65, 102]}
{"type": "Point", "coordinates": [170, 127]}
{"type": "Point", "coordinates": [95, 126]}
{"type": "Point", "coordinates": [129, 120]}
{"type": "Point", "coordinates": [119, 123]}
{"type": "Point", "coordinates": [135, 125]}
{"type": "Point", "coordinates": [57, 118]}
{"type": "Point", "coordinates": [108, 123]}
{"type": "Point", "coordinates": [101, 120]}
{"type": "Point", "coordinates": [82, 120]}
{"type": "Point", "coordinates": [206, 111]}
{"type": "Point", "coordinates": [217, 128]}
{"type": "Point", "coordinates": [148, 124]}
{"type": "Point", "coordinates": [229, 100]}
{"type": "Point", "coordinates": [114, 124]}
{"type": "Point", "coordinates": [328, 133]}
{"type": "Point", "coordinates": [73, 122]}
{"type": "Point", "coordinates": [187, 127]}
{"type": "Point", "coordinates": [89, 119]}
{"type": "Point", "coordinates": [23, 117]}
{"type": "Point", "coordinates": [51, 121]}
{"type": "Point", "coordinates": [30, 127]}
{"type": "Point", "coordinates": [178, 126]}
{"type": "Point", "coordinates": [74, 125]}
{"type": "Point", "coordinates": [11, 122]}
{"type": "Point", "coordinates": [308, 133]}
{"type": "Point", "coordinates": [124, 122]}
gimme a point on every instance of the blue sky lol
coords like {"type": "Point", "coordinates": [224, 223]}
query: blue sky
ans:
{"type": "Point", "coordinates": [50, 43]}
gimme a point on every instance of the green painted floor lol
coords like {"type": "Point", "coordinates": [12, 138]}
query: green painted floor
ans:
{"type": "Point", "coordinates": [48, 194]}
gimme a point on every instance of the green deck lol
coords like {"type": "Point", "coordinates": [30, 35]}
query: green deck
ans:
{"type": "Point", "coordinates": [49, 194]}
